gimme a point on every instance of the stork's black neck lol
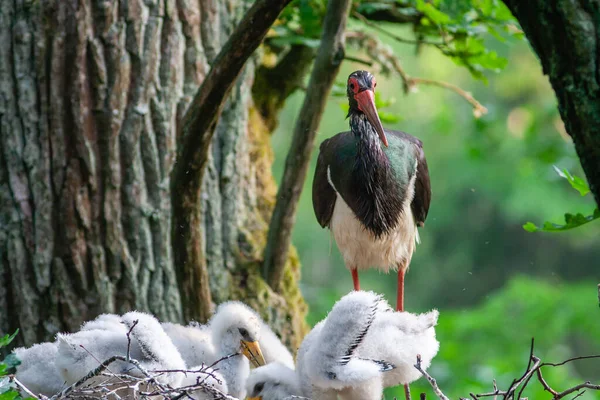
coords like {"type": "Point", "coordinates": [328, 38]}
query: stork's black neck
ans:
{"type": "Point", "coordinates": [369, 153]}
{"type": "Point", "coordinates": [377, 200]}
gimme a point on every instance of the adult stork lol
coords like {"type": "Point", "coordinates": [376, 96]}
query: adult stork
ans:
{"type": "Point", "coordinates": [372, 188]}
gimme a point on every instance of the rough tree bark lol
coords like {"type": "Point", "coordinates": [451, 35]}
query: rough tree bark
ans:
{"type": "Point", "coordinates": [565, 34]}
{"type": "Point", "coordinates": [91, 95]}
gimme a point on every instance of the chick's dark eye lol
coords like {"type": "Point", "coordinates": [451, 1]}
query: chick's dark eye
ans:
{"type": "Point", "coordinates": [258, 387]}
{"type": "Point", "coordinates": [243, 332]}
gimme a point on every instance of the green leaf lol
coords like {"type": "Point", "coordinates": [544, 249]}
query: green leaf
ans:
{"type": "Point", "coordinates": [571, 221]}
{"type": "Point", "coordinates": [9, 395]}
{"type": "Point", "coordinates": [11, 361]}
{"type": "Point", "coordinates": [283, 41]}
{"type": "Point", "coordinates": [369, 8]}
{"type": "Point", "coordinates": [388, 117]}
{"type": "Point", "coordinates": [576, 182]}
{"type": "Point", "coordinates": [6, 339]}
{"type": "Point", "coordinates": [433, 14]}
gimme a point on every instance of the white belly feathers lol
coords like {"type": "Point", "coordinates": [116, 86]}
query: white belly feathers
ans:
{"type": "Point", "coordinates": [361, 249]}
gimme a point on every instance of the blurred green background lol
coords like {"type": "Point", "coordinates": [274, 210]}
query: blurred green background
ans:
{"type": "Point", "coordinates": [495, 284]}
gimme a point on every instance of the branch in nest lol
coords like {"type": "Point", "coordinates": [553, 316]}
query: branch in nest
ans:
{"type": "Point", "coordinates": [438, 392]}
{"type": "Point", "coordinates": [534, 367]}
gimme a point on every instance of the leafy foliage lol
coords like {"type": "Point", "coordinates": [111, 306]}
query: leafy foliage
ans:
{"type": "Point", "coordinates": [457, 28]}
{"type": "Point", "coordinates": [7, 366]}
{"type": "Point", "coordinates": [571, 220]}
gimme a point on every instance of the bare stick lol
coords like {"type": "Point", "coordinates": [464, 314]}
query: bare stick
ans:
{"type": "Point", "coordinates": [327, 64]}
{"type": "Point", "coordinates": [135, 322]}
{"type": "Point", "coordinates": [13, 379]}
{"type": "Point", "coordinates": [438, 392]}
{"type": "Point", "coordinates": [197, 130]}
{"type": "Point", "coordinates": [586, 385]}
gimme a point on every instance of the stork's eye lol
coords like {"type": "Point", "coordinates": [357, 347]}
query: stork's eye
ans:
{"type": "Point", "coordinates": [352, 86]}
{"type": "Point", "coordinates": [258, 387]}
{"type": "Point", "coordinates": [243, 332]}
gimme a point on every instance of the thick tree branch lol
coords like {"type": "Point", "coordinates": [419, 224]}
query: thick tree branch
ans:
{"type": "Point", "coordinates": [327, 63]}
{"type": "Point", "coordinates": [565, 35]}
{"type": "Point", "coordinates": [197, 130]}
{"type": "Point", "coordinates": [272, 86]}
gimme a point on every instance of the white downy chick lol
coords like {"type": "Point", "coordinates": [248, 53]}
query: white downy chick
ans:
{"type": "Point", "coordinates": [81, 352]}
{"type": "Point", "coordinates": [274, 381]}
{"type": "Point", "coordinates": [302, 367]}
{"type": "Point", "coordinates": [207, 376]}
{"type": "Point", "coordinates": [159, 351]}
{"type": "Point", "coordinates": [236, 328]}
{"type": "Point", "coordinates": [272, 348]}
{"type": "Point", "coordinates": [399, 337]}
{"type": "Point", "coordinates": [107, 322]}
{"type": "Point", "coordinates": [362, 328]}
{"type": "Point", "coordinates": [194, 343]}
{"type": "Point", "coordinates": [332, 357]}
{"type": "Point", "coordinates": [37, 370]}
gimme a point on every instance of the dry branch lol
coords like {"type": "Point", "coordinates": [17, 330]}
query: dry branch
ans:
{"type": "Point", "coordinates": [327, 63]}
{"type": "Point", "coordinates": [197, 130]}
{"type": "Point", "coordinates": [534, 368]}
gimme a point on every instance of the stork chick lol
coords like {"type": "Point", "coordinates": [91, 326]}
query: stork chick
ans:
{"type": "Point", "coordinates": [274, 381]}
{"type": "Point", "coordinates": [37, 370]}
{"type": "Point", "coordinates": [364, 346]}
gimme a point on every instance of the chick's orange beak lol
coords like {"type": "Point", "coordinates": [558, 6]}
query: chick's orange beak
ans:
{"type": "Point", "coordinates": [253, 353]}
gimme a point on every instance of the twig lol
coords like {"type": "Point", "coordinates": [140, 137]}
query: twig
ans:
{"type": "Point", "coordinates": [438, 392]}
{"type": "Point", "coordinates": [397, 38]}
{"type": "Point", "coordinates": [544, 383]}
{"type": "Point", "coordinates": [197, 130]}
{"type": "Point", "coordinates": [14, 380]}
{"type": "Point", "coordinates": [359, 60]}
{"type": "Point", "coordinates": [570, 360]}
{"type": "Point", "coordinates": [478, 108]}
{"type": "Point", "coordinates": [327, 64]}
{"type": "Point", "coordinates": [586, 385]}
{"type": "Point", "coordinates": [135, 322]}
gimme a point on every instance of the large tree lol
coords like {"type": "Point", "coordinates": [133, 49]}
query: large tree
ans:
{"type": "Point", "coordinates": [92, 95]}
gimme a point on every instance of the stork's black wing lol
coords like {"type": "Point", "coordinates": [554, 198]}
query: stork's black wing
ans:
{"type": "Point", "coordinates": [422, 198]}
{"type": "Point", "coordinates": [323, 195]}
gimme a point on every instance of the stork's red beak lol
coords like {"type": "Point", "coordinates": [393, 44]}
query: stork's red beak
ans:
{"type": "Point", "coordinates": [366, 104]}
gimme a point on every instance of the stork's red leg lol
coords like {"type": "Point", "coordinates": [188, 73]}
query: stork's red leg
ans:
{"type": "Point", "coordinates": [400, 290]}
{"type": "Point", "coordinates": [400, 307]}
{"type": "Point", "coordinates": [355, 279]}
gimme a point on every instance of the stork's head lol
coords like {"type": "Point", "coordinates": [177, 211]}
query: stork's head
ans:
{"type": "Point", "coordinates": [361, 96]}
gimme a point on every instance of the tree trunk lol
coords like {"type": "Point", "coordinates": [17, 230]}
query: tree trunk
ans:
{"type": "Point", "coordinates": [91, 94]}
{"type": "Point", "coordinates": [565, 34]}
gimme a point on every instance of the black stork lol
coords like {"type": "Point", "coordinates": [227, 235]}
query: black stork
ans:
{"type": "Point", "coordinates": [372, 188]}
